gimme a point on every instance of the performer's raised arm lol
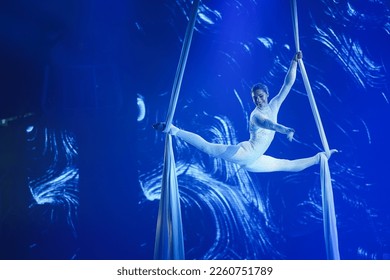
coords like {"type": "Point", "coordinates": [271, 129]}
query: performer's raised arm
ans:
{"type": "Point", "coordinates": [289, 80]}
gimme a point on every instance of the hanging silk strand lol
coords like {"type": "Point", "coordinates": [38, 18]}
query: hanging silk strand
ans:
{"type": "Point", "coordinates": [314, 108]}
{"type": "Point", "coordinates": [329, 215]}
{"type": "Point", "coordinates": [169, 244]}
{"type": "Point", "coordinates": [182, 62]}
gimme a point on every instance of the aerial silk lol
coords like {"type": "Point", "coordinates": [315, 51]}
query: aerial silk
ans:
{"type": "Point", "coordinates": [169, 244]}
{"type": "Point", "coordinates": [329, 216]}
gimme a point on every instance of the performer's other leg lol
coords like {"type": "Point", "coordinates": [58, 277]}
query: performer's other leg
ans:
{"type": "Point", "coordinates": [270, 164]}
{"type": "Point", "coordinates": [227, 152]}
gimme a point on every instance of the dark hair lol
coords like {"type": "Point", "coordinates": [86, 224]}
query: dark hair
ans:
{"type": "Point", "coordinates": [260, 86]}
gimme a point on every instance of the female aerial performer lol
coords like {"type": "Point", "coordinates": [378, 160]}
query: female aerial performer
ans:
{"type": "Point", "coordinates": [263, 124]}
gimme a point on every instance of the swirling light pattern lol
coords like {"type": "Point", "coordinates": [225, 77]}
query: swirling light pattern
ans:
{"type": "Point", "coordinates": [54, 173]}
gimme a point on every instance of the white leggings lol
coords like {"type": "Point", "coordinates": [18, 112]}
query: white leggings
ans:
{"type": "Point", "coordinates": [237, 154]}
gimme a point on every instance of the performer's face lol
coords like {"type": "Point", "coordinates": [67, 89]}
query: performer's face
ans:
{"type": "Point", "coordinates": [260, 98]}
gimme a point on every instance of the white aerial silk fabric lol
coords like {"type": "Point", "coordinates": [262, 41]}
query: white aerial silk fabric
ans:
{"type": "Point", "coordinates": [329, 215]}
{"type": "Point", "coordinates": [169, 244]}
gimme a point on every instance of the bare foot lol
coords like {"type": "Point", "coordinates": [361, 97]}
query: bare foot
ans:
{"type": "Point", "coordinates": [162, 126]}
{"type": "Point", "coordinates": [327, 155]}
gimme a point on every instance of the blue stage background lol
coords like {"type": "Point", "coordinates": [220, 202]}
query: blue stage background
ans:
{"type": "Point", "coordinates": [82, 82]}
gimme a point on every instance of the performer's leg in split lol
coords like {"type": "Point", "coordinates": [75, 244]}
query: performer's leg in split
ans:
{"type": "Point", "coordinates": [269, 164]}
{"type": "Point", "coordinates": [236, 154]}
{"type": "Point", "coordinates": [232, 153]}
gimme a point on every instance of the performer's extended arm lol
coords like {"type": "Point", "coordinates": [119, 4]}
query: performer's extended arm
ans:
{"type": "Point", "coordinates": [268, 124]}
{"type": "Point", "coordinates": [289, 80]}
